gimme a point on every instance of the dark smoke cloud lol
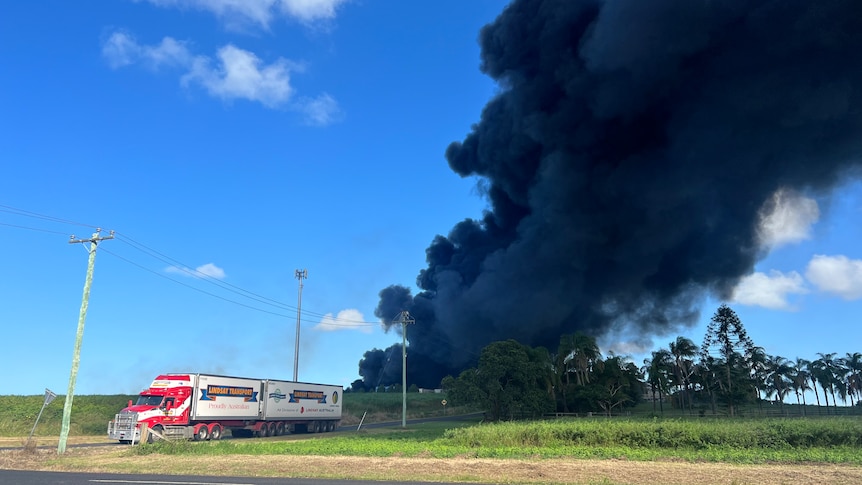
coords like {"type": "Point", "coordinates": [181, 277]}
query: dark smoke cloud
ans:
{"type": "Point", "coordinates": [626, 161]}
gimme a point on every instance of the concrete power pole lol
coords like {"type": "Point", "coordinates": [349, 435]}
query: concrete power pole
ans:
{"type": "Point", "coordinates": [76, 355]}
{"type": "Point", "coordinates": [301, 274]}
{"type": "Point", "coordinates": [404, 318]}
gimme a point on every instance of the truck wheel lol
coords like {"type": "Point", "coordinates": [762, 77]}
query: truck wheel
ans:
{"type": "Point", "coordinates": [271, 429]}
{"type": "Point", "coordinates": [151, 438]}
{"type": "Point", "coordinates": [202, 434]}
{"type": "Point", "coordinates": [264, 431]}
{"type": "Point", "coordinates": [279, 428]}
{"type": "Point", "coordinates": [215, 433]}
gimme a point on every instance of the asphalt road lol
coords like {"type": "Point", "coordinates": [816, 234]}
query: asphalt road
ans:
{"type": "Point", "coordinates": [62, 478]}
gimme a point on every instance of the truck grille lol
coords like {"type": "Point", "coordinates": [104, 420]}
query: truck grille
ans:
{"type": "Point", "coordinates": [123, 427]}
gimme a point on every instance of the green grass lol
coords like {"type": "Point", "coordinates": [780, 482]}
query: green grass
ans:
{"type": "Point", "coordinates": [828, 439]}
{"type": "Point", "coordinates": [386, 406]}
{"type": "Point", "coordinates": [90, 414]}
{"type": "Point", "coordinates": [736, 441]}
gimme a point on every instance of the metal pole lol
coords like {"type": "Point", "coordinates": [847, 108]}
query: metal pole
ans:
{"type": "Point", "coordinates": [403, 374]}
{"type": "Point", "coordinates": [300, 275]}
{"type": "Point", "coordinates": [79, 336]}
{"type": "Point", "coordinates": [49, 396]}
{"type": "Point", "coordinates": [404, 318]}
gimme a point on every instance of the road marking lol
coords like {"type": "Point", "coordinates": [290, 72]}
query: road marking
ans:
{"type": "Point", "coordinates": [154, 482]}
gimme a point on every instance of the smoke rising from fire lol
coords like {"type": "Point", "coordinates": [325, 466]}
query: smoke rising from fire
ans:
{"type": "Point", "coordinates": [626, 161]}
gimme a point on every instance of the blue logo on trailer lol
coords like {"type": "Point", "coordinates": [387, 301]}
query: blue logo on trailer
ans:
{"type": "Point", "coordinates": [277, 395]}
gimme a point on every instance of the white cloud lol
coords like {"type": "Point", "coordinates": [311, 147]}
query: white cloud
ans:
{"type": "Point", "coordinates": [121, 49]}
{"type": "Point", "coordinates": [787, 218]}
{"type": "Point", "coordinates": [241, 74]}
{"type": "Point", "coordinates": [237, 14]}
{"type": "Point", "coordinates": [769, 291]}
{"type": "Point", "coordinates": [350, 319]}
{"type": "Point", "coordinates": [310, 10]}
{"type": "Point", "coordinates": [208, 270]}
{"type": "Point", "coordinates": [321, 111]}
{"type": "Point", "coordinates": [836, 274]}
{"type": "Point", "coordinates": [233, 74]}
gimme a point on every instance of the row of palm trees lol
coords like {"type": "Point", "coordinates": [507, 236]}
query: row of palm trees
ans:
{"type": "Point", "coordinates": [683, 371]}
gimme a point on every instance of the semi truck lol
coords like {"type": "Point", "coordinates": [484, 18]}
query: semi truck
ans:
{"type": "Point", "coordinates": [203, 407]}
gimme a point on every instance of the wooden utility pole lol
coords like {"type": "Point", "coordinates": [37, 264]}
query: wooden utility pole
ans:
{"type": "Point", "coordinates": [404, 318]}
{"type": "Point", "coordinates": [76, 355]}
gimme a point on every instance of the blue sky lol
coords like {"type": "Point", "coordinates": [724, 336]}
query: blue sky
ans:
{"type": "Point", "coordinates": [230, 143]}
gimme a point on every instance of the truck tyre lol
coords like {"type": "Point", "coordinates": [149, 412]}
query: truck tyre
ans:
{"type": "Point", "coordinates": [279, 428]}
{"type": "Point", "coordinates": [215, 432]}
{"type": "Point", "coordinates": [264, 431]}
{"type": "Point", "coordinates": [271, 429]}
{"type": "Point", "coordinates": [202, 434]}
{"type": "Point", "coordinates": [151, 438]}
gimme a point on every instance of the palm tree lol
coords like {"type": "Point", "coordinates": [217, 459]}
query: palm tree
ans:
{"type": "Point", "coordinates": [657, 369]}
{"type": "Point", "coordinates": [577, 354]}
{"type": "Point", "coordinates": [777, 376]}
{"type": "Point", "coordinates": [852, 363]}
{"type": "Point", "coordinates": [828, 377]}
{"type": "Point", "coordinates": [799, 380]}
{"type": "Point", "coordinates": [758, 364]}
{"type": "Point", "coordinates": [585, 354]}
{"type": "Point", "coordinates": [812, 370]}
{"type": "Point", "coordinates": [683, 350]}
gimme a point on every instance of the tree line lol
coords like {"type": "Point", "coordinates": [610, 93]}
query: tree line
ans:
{"type": "Point", "coordinates": [726, 372]}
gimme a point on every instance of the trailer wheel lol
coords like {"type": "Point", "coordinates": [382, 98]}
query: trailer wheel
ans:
{"type": "Point", "coordinates": [331, 426]}
{"type": "Point", "coordinates": [215, 432]}
{"type": "Point", "coordinates": [202, 434]}
{"type": "Point", "coordinates": [264, 431]}
{"type": "Point", "coordinates": [279, 428]}
{"type": "Point", "coordinates": [271, 430]}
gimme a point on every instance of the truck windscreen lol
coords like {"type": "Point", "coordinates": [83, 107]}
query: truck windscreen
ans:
{"type": "Point", "coordinates": [149, 400]}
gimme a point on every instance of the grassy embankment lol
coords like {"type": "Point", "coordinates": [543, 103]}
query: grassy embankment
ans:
{"type": "Point", "coordinates": [760, 440]}
{"type": "Point", "coordinates": [741, 440]}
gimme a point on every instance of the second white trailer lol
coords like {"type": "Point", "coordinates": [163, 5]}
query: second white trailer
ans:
{"type": "Point", "coordinates": [308, 407]}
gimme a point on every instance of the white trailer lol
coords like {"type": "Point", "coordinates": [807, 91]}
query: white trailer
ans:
{"type": "Point", "coordinates": [311, 407]}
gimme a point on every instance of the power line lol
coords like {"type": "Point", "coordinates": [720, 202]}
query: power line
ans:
{"type": "Point", "coordinates": [192, 287]}
{"type": "Point", "coordinates": [32, 228]}
{"type": "Point", "coordinates": [327, 319]}
{"type": "Point", "coordinates": [36, 215]}
{"type": "Point", "coordinates": [236, 290]}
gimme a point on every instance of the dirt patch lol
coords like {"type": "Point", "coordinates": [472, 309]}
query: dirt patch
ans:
{"type": "Point", "coordinates": [432, 469]}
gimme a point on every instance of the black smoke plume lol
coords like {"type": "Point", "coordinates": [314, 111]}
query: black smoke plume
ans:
{"type": "Point", "coordinates": [626, 161]}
